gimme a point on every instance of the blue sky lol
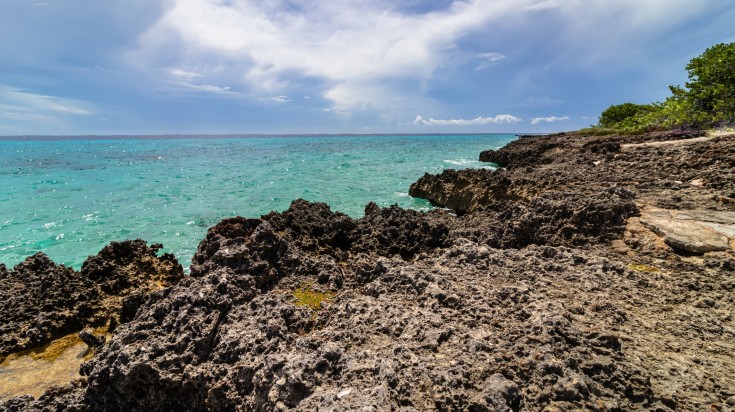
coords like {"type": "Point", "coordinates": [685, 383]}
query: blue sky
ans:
{"type": "Point", "coordinates": [338, 66]}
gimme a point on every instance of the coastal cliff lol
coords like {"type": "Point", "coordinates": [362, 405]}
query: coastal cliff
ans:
{"type": "Point", "coordinates": [590, 272]}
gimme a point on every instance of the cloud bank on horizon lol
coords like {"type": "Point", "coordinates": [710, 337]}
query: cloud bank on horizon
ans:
{"type": "Point", "coordinates": [291, 66]}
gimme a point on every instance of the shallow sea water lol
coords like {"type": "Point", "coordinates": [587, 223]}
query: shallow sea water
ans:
{"type": "Point", "coordinates": [70, 197]}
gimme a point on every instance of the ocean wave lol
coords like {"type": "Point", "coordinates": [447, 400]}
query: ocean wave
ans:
{"type": "Point", "coordinates": [469, 163]}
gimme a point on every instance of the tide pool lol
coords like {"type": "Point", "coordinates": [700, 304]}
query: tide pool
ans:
{"type": "Point", "coordinates": [69, 197]}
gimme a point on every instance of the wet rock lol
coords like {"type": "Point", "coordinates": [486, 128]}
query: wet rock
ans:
{"type": "Point", "coordinates": [41, 301]}
{"type": "Point", "coordinates": [91, 340]}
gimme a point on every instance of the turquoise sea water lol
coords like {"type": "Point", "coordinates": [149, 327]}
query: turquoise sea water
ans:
{"type": "Point", "coordinates": [70, 197]}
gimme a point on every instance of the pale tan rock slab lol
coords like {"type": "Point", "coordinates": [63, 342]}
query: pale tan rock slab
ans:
{"type": "Point", "coordinates": [695, 231]}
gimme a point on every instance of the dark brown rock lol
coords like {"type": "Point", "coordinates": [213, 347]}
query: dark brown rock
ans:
{"type": "Point", "coordinates": [41, 301]}
{"type": "Point", "coordinates": [91, 340]}
{"type": "Point", "coordinates": [383, 231]}
{"type": "Point", "coordinates": [428, 333]}
{"type": "Point", "coordinates": [520, 303]}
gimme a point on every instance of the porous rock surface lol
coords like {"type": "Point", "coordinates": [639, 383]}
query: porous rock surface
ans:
{"type": "Point", "coordinates": [382, 231]}
{"type": "Point", "coordinates": [699, 175]}
{"type": "Point", "coordinates": [469, 327]}
{"type": "Point", "coordinates": [546, 294]}
{"type": "Point", "coordinates": [41, 301]}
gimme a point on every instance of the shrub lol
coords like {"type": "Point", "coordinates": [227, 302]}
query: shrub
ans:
{"type": "Point", "coordinates": [708, 99]}
{"type": "Point", "coordinates": [616, 114]}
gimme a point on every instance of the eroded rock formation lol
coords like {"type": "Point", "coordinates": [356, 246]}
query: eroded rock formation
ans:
{"type": "Point", "coordinates": [547, 290]}
{"type": "Point", "coordinates": [41, 301]}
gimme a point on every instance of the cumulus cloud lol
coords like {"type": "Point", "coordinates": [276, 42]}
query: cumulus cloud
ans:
{"type": "Point", "coordinates": [347, 46]}
{"type": "Point", "coordinates": [360, 54]}
{"type": "Point", "coordinates": [498, 119]}
{"type": "Point", "coordinates": [550, 119]}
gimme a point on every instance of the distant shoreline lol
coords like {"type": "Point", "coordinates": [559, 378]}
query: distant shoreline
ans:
{"type": "Point", "coordinates": [236, 136]}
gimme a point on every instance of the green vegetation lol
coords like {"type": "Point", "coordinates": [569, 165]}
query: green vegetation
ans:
{"type": "Point", "coordinates": [707, 101]}
{"type": "Point", "coordinates": [623, 112]}
{"type": "Point", "coordinates": [312, 299]}
{"type": "Point", "coordinates": [639, 267]}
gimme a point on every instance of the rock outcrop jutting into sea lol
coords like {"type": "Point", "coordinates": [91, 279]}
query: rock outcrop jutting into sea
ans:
{"type": "Point", "coordinates": [41, 301]}
{"type": "Point", "coordinates": [560, 282]}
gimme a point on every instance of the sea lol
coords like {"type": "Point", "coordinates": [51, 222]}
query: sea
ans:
{"type": "Point", "coordinates": [70, 196]}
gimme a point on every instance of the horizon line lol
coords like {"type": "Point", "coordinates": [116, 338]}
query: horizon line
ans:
{"type": "Point", "coordinates": [236, 135]}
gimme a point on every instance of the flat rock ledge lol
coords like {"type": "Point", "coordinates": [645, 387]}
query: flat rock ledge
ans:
{"type": "Point", "coordinates": [693, 231]}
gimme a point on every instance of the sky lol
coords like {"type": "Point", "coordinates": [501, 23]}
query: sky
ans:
{"type": "Point", "coordinates": [80, 67]}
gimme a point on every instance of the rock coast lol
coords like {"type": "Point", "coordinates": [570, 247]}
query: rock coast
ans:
{"type": "Point", "coordinates": [572, 278]}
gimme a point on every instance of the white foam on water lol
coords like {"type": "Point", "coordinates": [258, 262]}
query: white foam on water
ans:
{"type": "Point", "coordinates": [469, 164]}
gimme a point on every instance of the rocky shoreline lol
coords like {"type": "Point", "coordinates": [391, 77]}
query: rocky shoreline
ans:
{"type": "Point", "coordinates": [589, 272]}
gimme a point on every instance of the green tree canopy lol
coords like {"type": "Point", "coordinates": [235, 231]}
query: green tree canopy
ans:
{"type": "Point", "coordinates": [707, 100]}
{"type": "Point", "coordinates": [618, 113]}
{"type": "Point", "coordinates": [712, 84]}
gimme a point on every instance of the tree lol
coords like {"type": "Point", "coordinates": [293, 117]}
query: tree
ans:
{"type": "Point", "coordinates": [707, 100]}
{"type": "Point", "coordinates": [616, 114]}
{"type": "Point", "coordinates": [711, 86]}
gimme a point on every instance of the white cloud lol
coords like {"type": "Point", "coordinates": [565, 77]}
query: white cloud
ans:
{"type": "Point", "coordinates": [186, 79]}
{"type": "Point", "coordinates": [27, 102]}
{"type": "Point", "coordinates": [499, 119]}
{"type": "Point", "coordinates": [375, 55]}
{"type": "Point", "coordinates": [550, 119]}
{"type": "Point", "coordinates": [492, 56]}
{"type": "Point", "coordinates": [489, 59]}
{"type": "Point", "coordinates": [278, 99]}
{"type": "Point", "coordinates": [543, 5]}
{"type": "Point", "coordinates": [184, 75]}
{"type": "Point", "coordinates": [20, 114]}
{"type": "Point", "coordinates": [347, 46]}
{"type": "Point", "coordinates": [608, 34]}
{"type": "Point", "coordinates": [208, 88]}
